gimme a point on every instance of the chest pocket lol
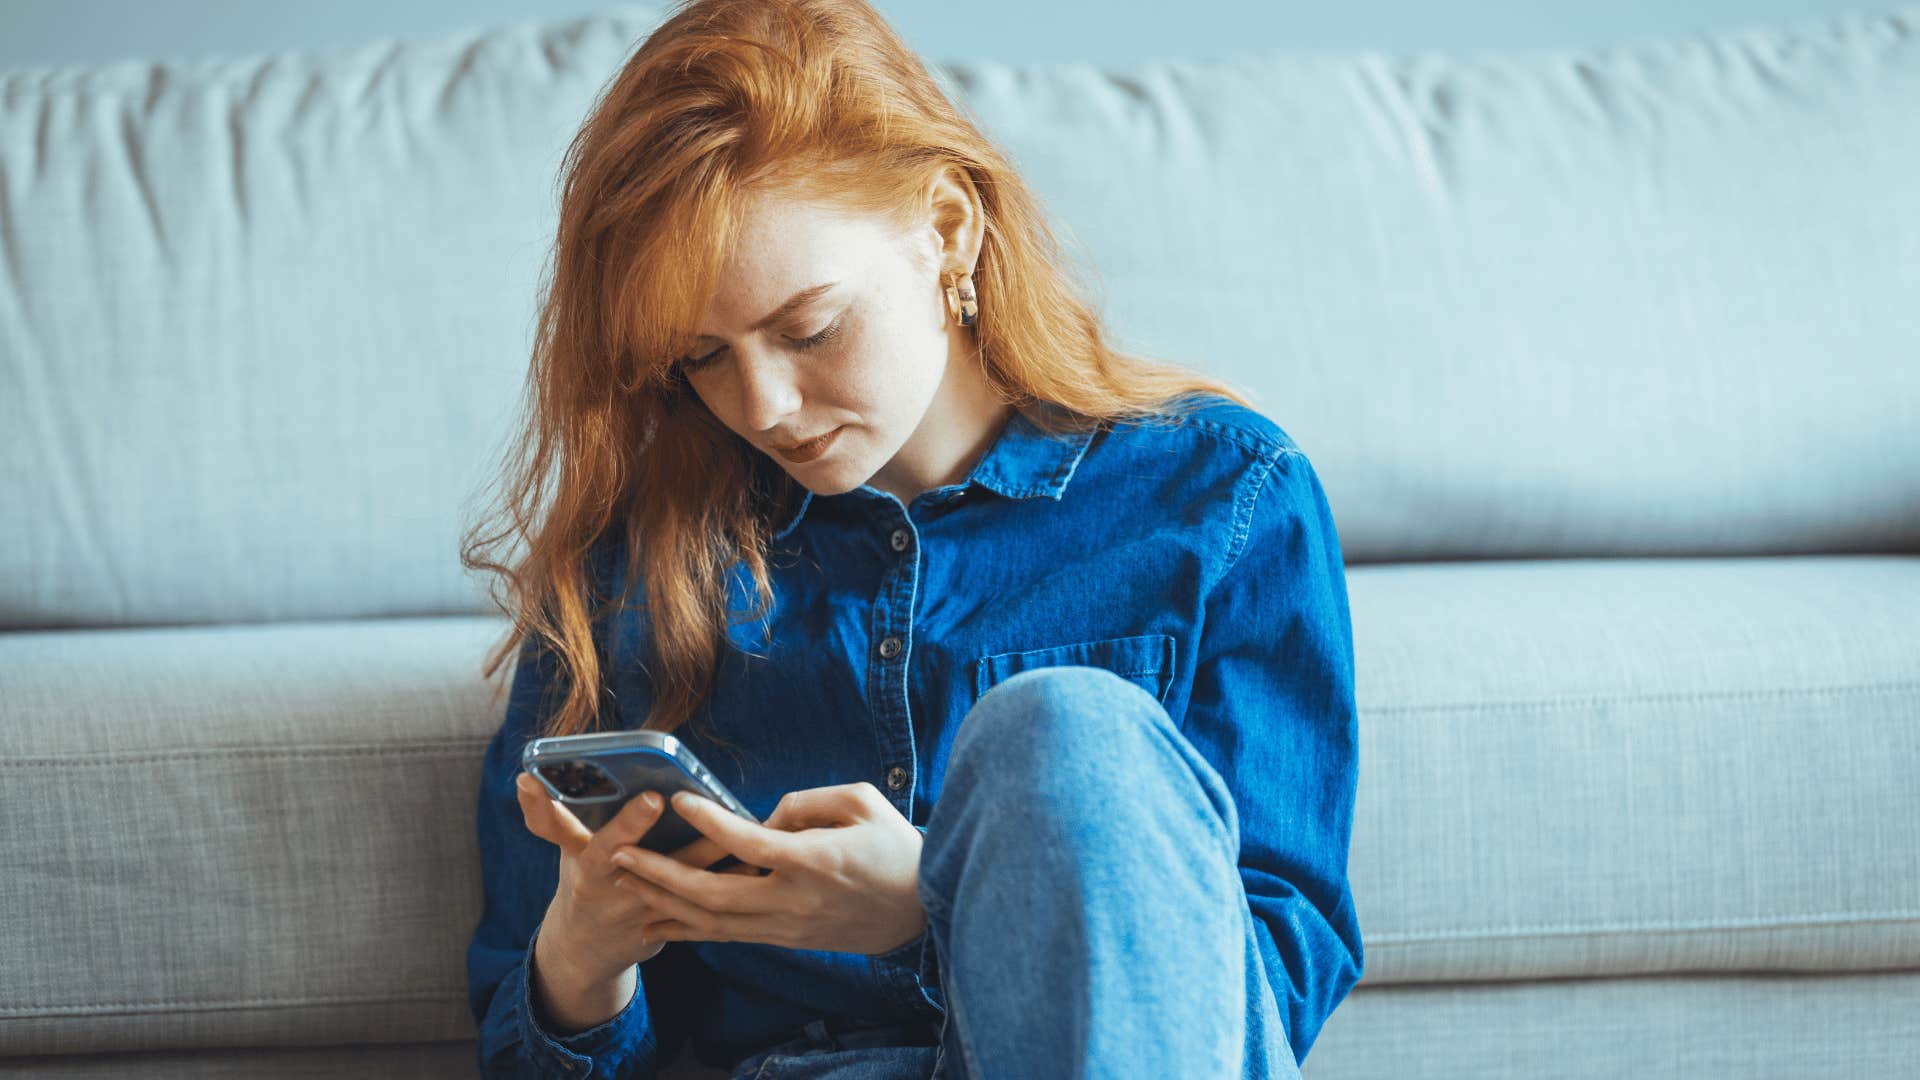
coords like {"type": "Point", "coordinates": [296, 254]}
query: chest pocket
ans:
{"type": "Point", "coordinates": [1145, 660]}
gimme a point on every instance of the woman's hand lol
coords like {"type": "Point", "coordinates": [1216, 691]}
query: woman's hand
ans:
{"type": "Point", "coordinates": [845, 875]}
{"type": "Point", "coordinates": [597, 917]}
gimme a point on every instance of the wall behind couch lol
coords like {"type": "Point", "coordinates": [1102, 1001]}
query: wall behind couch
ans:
{"type": "Point", "coordinates": [43, 33]}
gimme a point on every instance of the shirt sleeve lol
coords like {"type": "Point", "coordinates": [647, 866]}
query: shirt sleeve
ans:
{"type": "Point", "coordinates": [520, 873]}
{"type": "Point", "coordinates": [1273, 709]}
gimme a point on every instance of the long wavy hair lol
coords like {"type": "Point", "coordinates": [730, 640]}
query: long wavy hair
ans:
{"type": "Point", "coordinates": [812, 99]}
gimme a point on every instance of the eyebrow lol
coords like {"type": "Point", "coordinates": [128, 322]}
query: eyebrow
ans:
{"type": "Point", "coordinates": [794, 303]}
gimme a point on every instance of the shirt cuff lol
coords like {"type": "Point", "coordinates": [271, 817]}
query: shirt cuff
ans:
{"type": "Point", "coordinates": [605, 1049]}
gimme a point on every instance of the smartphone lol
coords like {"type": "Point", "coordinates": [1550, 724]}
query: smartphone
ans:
{"type": "Point", "coordinates": [595, 775]}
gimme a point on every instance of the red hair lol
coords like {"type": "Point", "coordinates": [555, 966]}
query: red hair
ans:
{"type": "Point", "coordinates": [812, 99]}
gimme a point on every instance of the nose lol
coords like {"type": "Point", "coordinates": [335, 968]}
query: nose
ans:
{"type": "Point", "coordinates": [769, 393]}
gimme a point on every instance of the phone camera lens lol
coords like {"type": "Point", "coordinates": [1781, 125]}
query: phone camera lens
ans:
{"type": "Point", "coordinates": [579, 779]}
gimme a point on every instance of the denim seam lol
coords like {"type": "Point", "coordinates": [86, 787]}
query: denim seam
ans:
{"type": "Point", "coordinates": [938, 909]}
{"type": "Point", "coordinates": [980, 674]}
{"type": "Point", "coordinates": [1073, 448]}
{"type": "Point", "coordinates": [1258, 476]}
{"type": "Point", "coordinates": [967, 1061]}
{"type": "Point", "coordinates": [1252, 442]}
{"type": "Point", "coordinates": [541, 1044]}
{"type": "Point", "coordinates": [982, 664]}
{"type": "Point", "coordinates": [1072, 466]}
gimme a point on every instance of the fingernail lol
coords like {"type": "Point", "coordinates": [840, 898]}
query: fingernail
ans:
{"type": "Point", "coordinates": [653, 801]}
{"type": "Point", "coordinates": [624, 862]}
{"type": "Point", "coordinates": [684, 801]}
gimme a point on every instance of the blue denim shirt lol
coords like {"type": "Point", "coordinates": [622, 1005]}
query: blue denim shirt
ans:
{"type": "Point", "coordinates": [1199, 561]}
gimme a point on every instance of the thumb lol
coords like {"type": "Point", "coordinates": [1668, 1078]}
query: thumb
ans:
{"type": "Point", "coordinates": [816, 808]}
{"type": "Point", "coordinates": [550, 820]}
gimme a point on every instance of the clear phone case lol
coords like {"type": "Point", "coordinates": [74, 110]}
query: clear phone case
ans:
{"type": "Point", "coordinates": [595, 775]}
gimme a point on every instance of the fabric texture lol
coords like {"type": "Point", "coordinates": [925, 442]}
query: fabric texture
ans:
{"type": "Point", "coordinates": [1673, 1027]}
{"type": "Point", "coordinates": [1622, 767]}
{"type": "Point", "coordinates": [1084, 913]}
{"type": "Point", "coordinates": [1192, 556]}
{"type": "Point", "coordinates": [263, 321]}
{"type": "Point", "coordinates": [262, 325]}
{"type": "Point", "coordinates": [239, 836]}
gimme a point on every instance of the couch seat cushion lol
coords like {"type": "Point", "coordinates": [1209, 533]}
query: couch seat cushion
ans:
{"type": "Point", "coordinates": [1586, 767]}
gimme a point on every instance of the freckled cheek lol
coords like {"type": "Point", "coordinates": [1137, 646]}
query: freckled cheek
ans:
{"type": "Point", "coordinates": [847, 381]}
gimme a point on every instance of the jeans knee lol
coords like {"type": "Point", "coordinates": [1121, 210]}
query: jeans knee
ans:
{"type": "Point", "coordinates": [1055, 724]}
{"type": "Point", "coordinates": [1067, 758]}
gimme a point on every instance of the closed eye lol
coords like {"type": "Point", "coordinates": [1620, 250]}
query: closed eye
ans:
{"type": "Point", "coordinates": [829, 332]}
{"type": "Point", "coordinates": [832, 330]}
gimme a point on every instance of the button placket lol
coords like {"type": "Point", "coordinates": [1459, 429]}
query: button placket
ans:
{"type": "Point", "coordinates": [892, 625]}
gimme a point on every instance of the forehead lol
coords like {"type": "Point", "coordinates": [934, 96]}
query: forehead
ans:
{"type": "Point", "coordinates": [785, 244]}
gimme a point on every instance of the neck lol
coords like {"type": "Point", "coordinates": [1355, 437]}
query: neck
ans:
{"type": "Point", "coordinates": [960, 425]}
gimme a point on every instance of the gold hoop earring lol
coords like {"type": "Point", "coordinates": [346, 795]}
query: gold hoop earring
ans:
{"type": "Point", "coordinates": [961, 301]}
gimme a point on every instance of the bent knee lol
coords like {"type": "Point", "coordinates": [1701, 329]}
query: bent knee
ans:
{"type": "Point", "coordinates": [1074, 702]}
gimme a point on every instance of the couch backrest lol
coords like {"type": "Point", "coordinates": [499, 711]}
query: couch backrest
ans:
{"type": "Point", "coordinates": [263, 323]}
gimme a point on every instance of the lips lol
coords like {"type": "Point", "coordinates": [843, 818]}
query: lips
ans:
{"type": "Point", "coordinates": [810, 449]}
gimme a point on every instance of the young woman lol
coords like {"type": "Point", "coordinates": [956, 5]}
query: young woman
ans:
{"type": "Point", "coordinates": [1033, 657]}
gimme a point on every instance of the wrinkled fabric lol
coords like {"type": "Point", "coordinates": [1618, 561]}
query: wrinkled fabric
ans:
{"type": "Point", "coordinates": [261, 319]}
{"type": "Point", "coordinates": [1192, 555]}
{"type": "Point", "coordinates": [1071, 788]}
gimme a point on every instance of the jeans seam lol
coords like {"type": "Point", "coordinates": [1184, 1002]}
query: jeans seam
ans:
{"type": "Point", "coordinates": [960, 1036]}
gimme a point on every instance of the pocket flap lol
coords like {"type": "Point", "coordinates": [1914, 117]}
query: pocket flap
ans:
{"type": "Point", "coordinates": [1146, 660]}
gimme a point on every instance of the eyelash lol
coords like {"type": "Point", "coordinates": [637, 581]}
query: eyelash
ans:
{"type": "Point", "coordinates": [695, 363]}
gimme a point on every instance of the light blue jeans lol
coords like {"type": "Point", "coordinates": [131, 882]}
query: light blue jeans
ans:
{"type": "Point", "coordinates": [1083, 898]}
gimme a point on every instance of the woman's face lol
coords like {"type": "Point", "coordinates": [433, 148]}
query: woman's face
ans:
{"type": "Point", "coordinates": [861, 356]}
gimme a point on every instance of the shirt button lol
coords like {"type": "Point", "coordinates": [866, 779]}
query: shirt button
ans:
{"type": "Point", "coordinates": [900, 539]}
{"type": "Point", "coordinates": [896, 778]}
{"type": "Point", "coordinates": [889, 647]}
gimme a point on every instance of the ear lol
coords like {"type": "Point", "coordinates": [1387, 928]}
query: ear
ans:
{"type": "Point", "coordinates": [957, 219]}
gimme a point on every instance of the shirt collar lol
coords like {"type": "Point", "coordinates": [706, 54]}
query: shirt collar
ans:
{"type": "Point", "coordinates": [1025, 461]}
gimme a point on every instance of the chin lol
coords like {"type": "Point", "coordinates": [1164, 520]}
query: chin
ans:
{"type": "Point", "coordinates": [829, 481]}
{"type": "Point", "coordinates": [831, 489]}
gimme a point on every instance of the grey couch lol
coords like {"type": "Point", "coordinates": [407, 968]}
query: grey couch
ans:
{"type": "Point", "coordinates": [1609, 361]}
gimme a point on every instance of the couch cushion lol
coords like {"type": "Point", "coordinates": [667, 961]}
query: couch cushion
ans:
{"type": "Point", "coordinates": [1756, 1027]}
{"type": "Point", "coordinates": [1595, 767]}
{"type": "Point", "coordinates": [260, 836]}
{"type": "Point", "coordinates": [263, 321]}
{"type": "Point", "coordinates": [240, 836]}
{"type": "Point", "coordinates": [1667, 1027]}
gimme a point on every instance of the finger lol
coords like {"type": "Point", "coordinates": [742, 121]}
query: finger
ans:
{"type": "Point", "coordinates": [635, 820]}
{"type": "Point", "coordinates": [717, 929]}
{"type": "Point", "coordinates": [746, 840]}
{"type": "Point", "coordinates": [701, 852]}
{"type": "Point", "coordinates": [823, 807]}
{"type": "Point", "coordinates": [671, 930]}
{"type": "Point", "coordinates": [664, 902]}
{"type": "Point", "coordinates": [550, 820]}
{"type": "Point", "coordinates": [745, 895]}
{"type": "Point", "coordinates": [535, 814]}
{"type": "Point", "coordinates": [722, 928]}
